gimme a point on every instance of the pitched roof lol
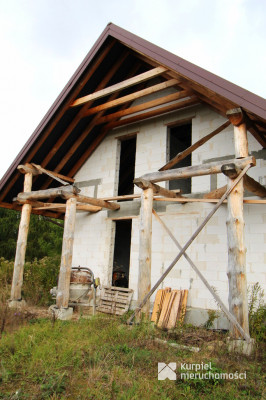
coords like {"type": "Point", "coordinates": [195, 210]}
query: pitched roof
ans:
{"type": "Point", "coordinates": [67, 135]}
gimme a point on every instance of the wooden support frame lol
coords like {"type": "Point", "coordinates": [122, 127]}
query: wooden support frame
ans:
{"type": "Point", "coordinates": [236, 272]}
{"type": "Point", "coordinates": [230, 316]}
{"type": "Point", "coordinates": [17, 279]}
{"type": "Point", "coordinates": [188, 243]}
{"type": "Point", "coordinates": [62, 297]}
{"type": "Point", "coordinates": [197, 170]}
{"type": "Point", "coordinates": [120, 86]}
{"type": "Point", "coordinates": [189, 150]}
{"type": "Point", "coordinates": [145, 234]}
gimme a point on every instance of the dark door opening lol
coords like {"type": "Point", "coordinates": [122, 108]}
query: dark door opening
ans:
{"type": "Point", "coordinates": [120, 276]}
{"type": "Point", "coordinates": [127, 166]}
{"type": "Point", "coordinates": [179, 140]}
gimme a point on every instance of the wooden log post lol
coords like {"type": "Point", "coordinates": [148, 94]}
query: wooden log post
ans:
{"type": "Point", "coordinates": [17, 280]}
{"type": "Point", "coordinates": [238, 299]}
{"type": "Point", "coordinates": [145, 235]}
{"type": "Point", "coordinates": [62, 297]}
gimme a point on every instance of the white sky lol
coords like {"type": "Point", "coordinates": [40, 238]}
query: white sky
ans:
{"type": "Point", "coordinates": [42, 42]}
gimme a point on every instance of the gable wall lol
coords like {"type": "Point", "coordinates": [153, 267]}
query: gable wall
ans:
{"type": "Point", "coordinates": [94, 235]}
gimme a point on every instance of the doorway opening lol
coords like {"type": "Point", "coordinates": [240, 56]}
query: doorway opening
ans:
{"type": "Point", "coordinates": [179, 139]}
{"type": "Point", "coordinates": [127, 166]}
{"type": "Point", "coordinates": [121, 262]}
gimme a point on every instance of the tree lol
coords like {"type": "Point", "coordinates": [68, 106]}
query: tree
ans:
{"type": "Point", "coordinates": [44, 239]}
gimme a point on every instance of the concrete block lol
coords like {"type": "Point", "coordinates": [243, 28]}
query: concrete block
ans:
{"type": "Point", "coordinates": [241, 346]}
{"type": "Point", "coordinates": [17, 304]}
{"type": "Point", "coordinates": [63, 314]}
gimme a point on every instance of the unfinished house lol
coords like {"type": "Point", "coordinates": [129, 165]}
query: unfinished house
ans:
{"type": "Point", "coordinates": [162, 173]}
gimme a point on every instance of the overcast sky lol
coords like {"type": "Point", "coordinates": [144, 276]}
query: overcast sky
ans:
{"type": "Point", "coordinates": [42, 43]}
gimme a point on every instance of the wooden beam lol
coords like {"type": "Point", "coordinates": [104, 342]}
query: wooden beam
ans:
{"type": "Point", "coordinates": [216, 194]}
{"type": "Point", "coordinates": [180, 156]}
{"type": "Point", "coordinates": [132, 96]}
{"type": "Point", "coordinates": [154, 113]}
{"type": "Point", "coordinates": [46, 194]}
{"type": "Point", "coordinates": [236, 272]}
{"type": "Point", "coordinates": [253, 186]}
{"type": "Point", "coordinates": [17, 279]}
{"type": "Point", "coordinates": [145, 233]}
{"type": "Point", "coordinates": [120, 86]}
{"type": "Point", "coordinates": [59, 114]}
{"type": "Point", "coordinates": [185, 200]}
{"type": "Point", "coordinates": [145, 106]}
{"type": "Point", "coordinates": [196, 170]}
{"type": "Point", "coordinates": [143, 184]}
{"type": "Point", "coordinates": [62, 297]}
{"type": "Point", "coordinates": [58, 206]}
{"type": "Point", "coordinates": [54, 175]}
{"type": "Point", "coordinates": [218, 300]}
{"type": "Point", "coordinates": [91, 200]}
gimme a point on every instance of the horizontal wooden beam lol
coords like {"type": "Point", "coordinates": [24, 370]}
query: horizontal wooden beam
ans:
{"type": "Point", "coordinates": [180, 156]}
{"type": "Point", "coordinates": [199, 200]}
{"type": "Point", "coordinates": [143, 184]}
{"type": "Point", "coordinates": [91, 200]}
{"type": "Point", "coordinates": [120, 86]}
{"type": "Point", "coordinates": [153, 113]}
{"type": "Point", "coordinates": [145, 106]}
{"type": "Point", "coordinates": [132, 96]}
{"type": "Point", "coordinates": [46, 194]}
{"type": "Point", "coordinates": [62, 207]}
{"type": "Point", "coordinates": [197, 170]}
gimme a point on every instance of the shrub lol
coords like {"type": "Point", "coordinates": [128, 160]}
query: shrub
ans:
{"type": "Point", "coordinates": [257, 312]}
{"type": "Point", "coordinates": [39, 277]}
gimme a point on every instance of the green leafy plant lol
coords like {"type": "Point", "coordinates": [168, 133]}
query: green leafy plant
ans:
{"type": "Point", "coordinates": [257, 312]}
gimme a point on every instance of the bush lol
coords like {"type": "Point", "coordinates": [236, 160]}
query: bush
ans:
{"type": "Point", "coordinates": [257, 312]}
{"type": "Point", "coordinates": [39, 277]}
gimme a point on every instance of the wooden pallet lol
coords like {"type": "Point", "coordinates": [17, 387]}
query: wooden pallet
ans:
{"type": "Point", "coordinates": [114, 300]}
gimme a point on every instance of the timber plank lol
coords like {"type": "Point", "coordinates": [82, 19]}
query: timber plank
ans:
{"type": "Point", "coordinates": [164, 309]}
{"type": "Point", "coordinates": [119, 86]}
{"type": "Point", "coordinates": [174, 311]}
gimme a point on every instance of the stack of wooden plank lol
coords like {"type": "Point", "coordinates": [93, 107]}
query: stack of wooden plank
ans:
{"type": "Point", "coordinates": [169, 307]}
{"type": "Point", "coordinates": [114, 300]}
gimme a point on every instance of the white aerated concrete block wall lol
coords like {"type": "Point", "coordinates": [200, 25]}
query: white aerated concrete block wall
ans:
{"type": "Point", "coordinates": [94, 234]}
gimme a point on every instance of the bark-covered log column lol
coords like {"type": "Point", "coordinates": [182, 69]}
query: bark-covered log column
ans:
{"type": "Point", "coordinates": [17, 280]}
{"type": "Point", "coordinates": [62, 297]}
{"type": "Point", "coordinates": [145, 235]}
{"type": "Point", "coordinates": [238, 301]}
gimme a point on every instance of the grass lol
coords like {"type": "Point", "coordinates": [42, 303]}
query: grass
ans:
{"type": "Point", "coordinates": [102, 358]}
